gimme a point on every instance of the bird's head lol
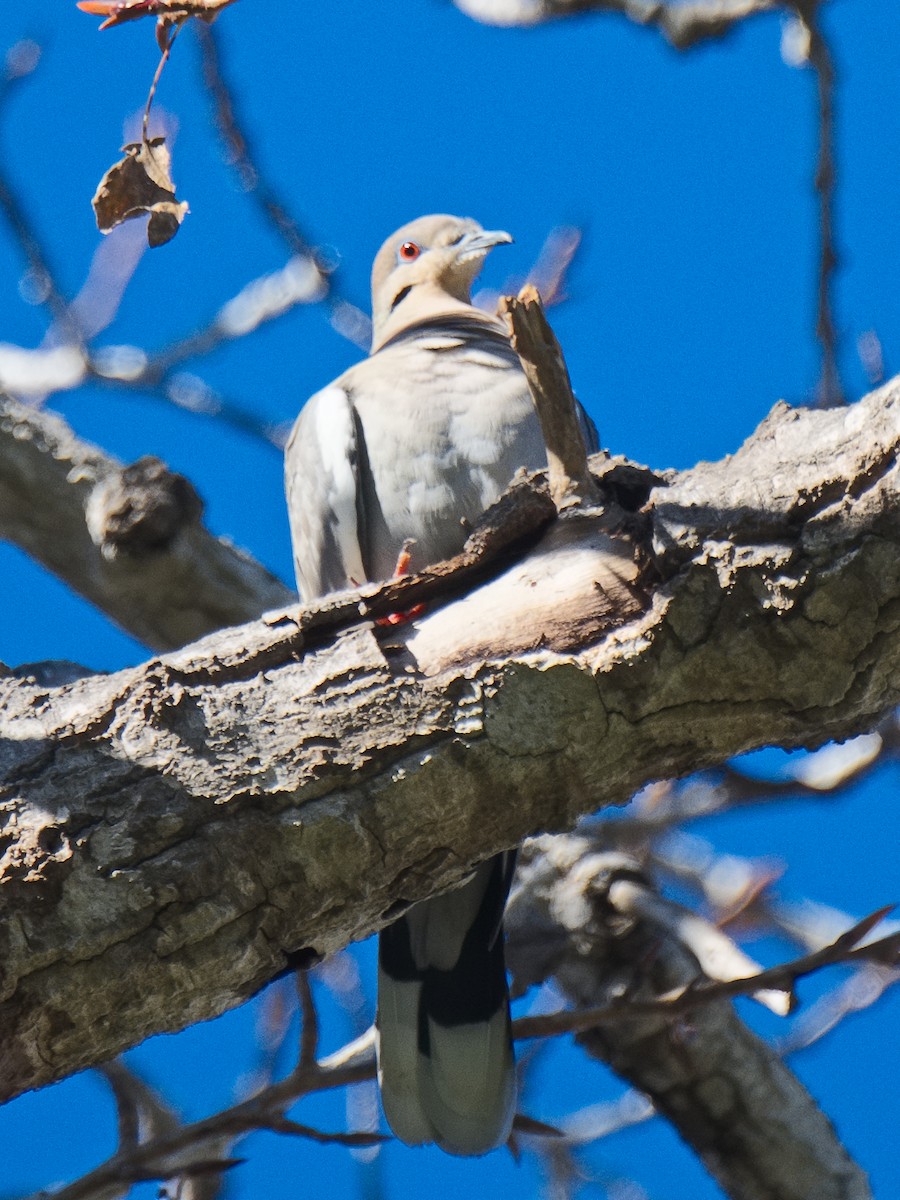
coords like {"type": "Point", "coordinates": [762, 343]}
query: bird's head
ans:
{"type": "Point", "coordinates": [427, 267]}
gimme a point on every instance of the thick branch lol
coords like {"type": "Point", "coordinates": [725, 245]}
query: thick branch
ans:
{"type": "Point", "coordinates": [127, 538]}
{"type": "Point", "coordinates": [176, 834]}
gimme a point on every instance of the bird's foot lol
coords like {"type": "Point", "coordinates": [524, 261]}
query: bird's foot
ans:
{"type": "Point", "coordinates": [401, 569]}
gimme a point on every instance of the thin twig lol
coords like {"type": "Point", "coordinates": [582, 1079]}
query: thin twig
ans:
{"type": "Point", "coordinates": [47, 287]}
{"type": "Point", "coordinates": [726, 788]}
{"type": "Point", "coordinates": [864, 987]}
{"type": "Point", "coordinates": [309, 1028]}
{"type": "Point", "coordinates": [46, 284]}
{"type": "Point", "coordinates": [354, 1063]}
{"type": "Point", "coordinates": [283, 1125]}
{"type": "Point", "coordinates": [154, 1159]}
{"type": "Point", "coordinates": [157, 75]}
{"type": "Point", "coordinates": [550, 270]}
{"type": "Point", "coordinates": [830, 391]}
{"type": "Point", "coordinates": [127, 1109]}
{"type": "Point", "coordinates": [241, 159]}
{"type": "Point", "coordinates": [345, 318]}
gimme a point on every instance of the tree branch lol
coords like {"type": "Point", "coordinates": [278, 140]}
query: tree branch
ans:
{"type": "Point", "coordinates": [346, 319]}
{"type": "Point", "coordinates": [830, 390]}
{"type": "Point", "coordinates": [683, 25]}
{"type": "Point", "coordinates": [750, 1120]}
{"type": "Point", "coordinates": [129, 539]}
{"type": "Point", "coordinates": [176, 834]}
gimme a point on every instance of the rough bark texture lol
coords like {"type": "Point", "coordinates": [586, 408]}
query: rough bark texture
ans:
{"type": "Point", "coordinates": [129, 539]}
{"type": "Point", "coordinates": [175, 834]}
{"type": "Point", "coordinates": [750, 1120]}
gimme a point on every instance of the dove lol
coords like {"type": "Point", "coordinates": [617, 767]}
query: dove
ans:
{"type": "Point", "coordinates": [386, 470]}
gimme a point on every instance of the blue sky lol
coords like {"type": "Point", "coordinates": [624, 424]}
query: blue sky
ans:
{"type": "Point", "coordinates": [691, 312]}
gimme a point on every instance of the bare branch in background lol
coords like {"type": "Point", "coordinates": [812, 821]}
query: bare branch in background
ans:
{"type": "Point", "coordinates": [624, 1018]}
{"type": "Point", "coordinates": [871, 355]}
{"type": "Point", "coordinates": [309, 1021]}
{"type": "Point", "coordinates": [21, 61]}
{"type": "Point", "coordinates": [348, 320]}
{"type": "Point", "coordinates": [261, 300]}
{"type": "Point", "coordinates": [340, 974]}
{"type": "Point", "coordinates": [185, 1150]}
{"type": "Point", "coordinates": [166, 1149]}
{"type": "Point", "coordinates": [825, 775]}
{"type": "Point", "coordinates": [273, 1029]}
{"type": "Point", "coordinates": [550, 269]}
{"type": "Point", "coordinates": [33, 374]}
{"type": "Point", "coordinates": [738, 891]}
{"type": "Point", "coordinates": [702, 990]}
{"type": "Point", "coordinates": [830, 391]}
{"type": "Point", "coordinates": [683, 24]}
{"type": "Point", "coordinates": [863, 989]}
{"type": "Point", "coordinates": [689, 23]}
{"type": "Point", "coordinates": [564, 1164]}
{"type": "Point", "coordinates": [548, 273]}
{"type": "Point", "coordinates": [564, 920]}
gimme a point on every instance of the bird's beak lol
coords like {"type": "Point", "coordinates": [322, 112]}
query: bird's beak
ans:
{"type": "Point", "coordinates": [481, 242]}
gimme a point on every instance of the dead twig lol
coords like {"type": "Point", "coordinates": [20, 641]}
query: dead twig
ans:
{"type": "Point", "coordinates": [309, 1028]}
{"type": "Point", "coordinates": [539, 352]}
{"type": "Point", "coordinates": [21, 63]}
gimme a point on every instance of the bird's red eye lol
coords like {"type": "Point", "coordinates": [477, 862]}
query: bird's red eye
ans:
{"type": "Point", "coordinates": [408, 252]}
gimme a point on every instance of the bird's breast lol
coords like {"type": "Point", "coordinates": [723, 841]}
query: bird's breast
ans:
{"type": "Point", "coordinates": [444, 433]}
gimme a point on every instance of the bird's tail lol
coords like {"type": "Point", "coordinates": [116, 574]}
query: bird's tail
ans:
{"type": "Point", "coordinates": [445, 1059]}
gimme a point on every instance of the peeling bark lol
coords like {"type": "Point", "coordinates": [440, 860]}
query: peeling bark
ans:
{"type": "Point", "coordinates": [176, 834]}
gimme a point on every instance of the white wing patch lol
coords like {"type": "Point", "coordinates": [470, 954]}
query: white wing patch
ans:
{"type": "Point", "coordinates": [321, 475]}
{"type": "Point", "coordinates": [336, 437]}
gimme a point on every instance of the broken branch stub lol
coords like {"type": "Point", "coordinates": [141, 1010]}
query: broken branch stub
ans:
{"type": "Point", "coordinates": [545, 369]}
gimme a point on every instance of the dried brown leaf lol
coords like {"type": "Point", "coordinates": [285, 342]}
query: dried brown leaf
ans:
{"type": "Point", "coordinates": [117, 12]}
{"type": "Point", "coordinates": [138, 184]}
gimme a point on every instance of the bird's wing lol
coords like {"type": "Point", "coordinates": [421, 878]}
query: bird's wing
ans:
{"type": "Point", "coordinates": [321, 475]}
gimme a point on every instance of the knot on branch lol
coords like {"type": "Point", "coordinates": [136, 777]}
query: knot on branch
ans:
{"type": "Point", "coordinates": [141, 509]}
